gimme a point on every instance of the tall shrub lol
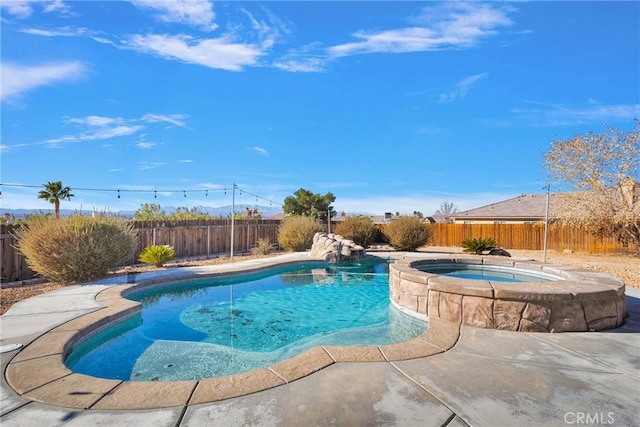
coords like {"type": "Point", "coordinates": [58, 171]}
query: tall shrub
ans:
{"type": "Point", "coordinates": [360, 229]}
{"type": "Point", "coordinates": [76, 248]}
{"type": "Point", "coordinates": [407, 233]}
{"type": "Point", "coordinates": [296, 232]}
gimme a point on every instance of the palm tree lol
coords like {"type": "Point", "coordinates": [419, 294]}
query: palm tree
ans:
{"type": "Point", "coordinates": [54, 192]}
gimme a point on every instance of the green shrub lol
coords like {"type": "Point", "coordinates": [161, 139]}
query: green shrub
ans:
{"type": "Point", "coordinates": [263, 247]}
{"type": "Point", "coordinates": [360, 229]}
{"type": "Point", "coordinates": [157, 255]}
{"type": "Point", "coordinates": [407, 233]}
{"type": "Point", "coordinates": [296, 232]}
{"type": "Point", "coordinates": [477, 245]}
{"type": "Point", "coordinates": [76, 248]}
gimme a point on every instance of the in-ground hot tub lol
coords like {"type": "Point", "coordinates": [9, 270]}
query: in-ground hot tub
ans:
{"type": "Point", "coordinates": [553, 298]}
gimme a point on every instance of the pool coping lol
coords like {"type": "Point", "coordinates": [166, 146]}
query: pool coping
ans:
{"type": "Point", "coordinates": [38, 372]}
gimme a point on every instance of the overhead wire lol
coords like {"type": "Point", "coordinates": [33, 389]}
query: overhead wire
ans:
{"type": "Point", "coordinates": [155, 192]}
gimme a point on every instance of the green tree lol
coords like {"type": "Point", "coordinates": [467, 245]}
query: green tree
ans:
{"type": "Point", "coordinates": [149, 212]}
{"type": "Point", "coordinates": [250, 213]}
{"type": "Point", "coordinates": [446, 212]}
{"type": "Point", "coordinates": [54, 192]}
{"type": "Point", "coordinates": [186, 213]}
{"type": "Point", "coordinates": [304, 202]}
{"type": "Point", "coordinates": [603, 170]}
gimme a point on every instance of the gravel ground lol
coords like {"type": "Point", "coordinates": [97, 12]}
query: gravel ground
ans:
{"type": "Point", "coordinates": [625, 267]}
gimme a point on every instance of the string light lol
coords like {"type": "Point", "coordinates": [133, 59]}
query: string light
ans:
{"type": "Point", "coordinates": [154, 192]}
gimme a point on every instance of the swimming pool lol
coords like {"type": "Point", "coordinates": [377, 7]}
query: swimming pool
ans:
{"type": "Point", "coordinates": [222, 326]}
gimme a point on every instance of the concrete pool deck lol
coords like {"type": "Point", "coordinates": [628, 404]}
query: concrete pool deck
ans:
{"type": "Point", "coordinates": [488, 378]}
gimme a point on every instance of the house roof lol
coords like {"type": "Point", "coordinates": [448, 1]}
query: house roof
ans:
{"type": "Point", "coordinates": [533, 206]}
{"type": "Point", "coordinates": [530, 206]}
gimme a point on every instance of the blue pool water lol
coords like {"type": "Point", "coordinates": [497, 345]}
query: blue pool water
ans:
{"type": "Point", "coordinates": [485, 272]}
{"type": "Point", "coordinates": [216, 327]}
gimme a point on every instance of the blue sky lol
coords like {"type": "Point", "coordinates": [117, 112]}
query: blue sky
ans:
{"type": "Point", "coordinates": [391, 106]}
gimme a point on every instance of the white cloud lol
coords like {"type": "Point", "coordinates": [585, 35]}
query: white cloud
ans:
{"type": "Point", "coordinates": [304, 59]}
{"type": "Point", "coordinates": [112, 132]}
{"type": "Point", "coordinates": [301, 65]}
{"type": "Point", "coordinates": [461, 88]}
{"type": "Point", "coordinates": [93, 135]}
{"type": "Point", "coordinates": [17, 79]}
{"type": "Point", "coordinates": [562, 115]}
{"type": "Point", "coordinates": [260, 151]}
{"type": "Point", "coordinates": [267, 32]}
{"type": "Point", "coordinates": [96, 120]}
{"type": "Point", "coordinates": [174, 119]}
{"type": "Point", "coordinates": [96, 36]}
{"type": "Point", "coordinates": [19, 9]}
{"type": "Point", "coordinates": [448, 25]}
{"type": "Point", "coordinates": [93, 128]}
{"type": "Point", "coordinates": [145, 144]}
{"type": "Point", "coordinates": [24, 8]}
{"type": "Point", "coordinates": [55, 5]}
{"type": "Point", "coordinates": [57, 32]}
{"type": "Point", "coordinates": [150, 165]}
{"type": "Point", "coordinates": [191, 12]}
{"type": "Point", "coordinates": [221, 53]}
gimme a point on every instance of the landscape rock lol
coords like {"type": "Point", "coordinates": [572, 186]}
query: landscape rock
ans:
{"type": "Point", "coordinates": [335, 248]}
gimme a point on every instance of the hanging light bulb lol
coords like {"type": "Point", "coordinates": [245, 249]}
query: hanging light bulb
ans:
{"type": "Point", "coordinates": [155, 195]}
{"type": "Point", "coordinates": [185, 193]}
{"type": "Point", "coordinates": [206, 193]}
{"type": "Point", "coordinates": [118, 194]}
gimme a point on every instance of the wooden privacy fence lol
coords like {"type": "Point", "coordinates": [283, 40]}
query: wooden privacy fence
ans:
{"type": "Point", "coordinates": [206, 239]}
{"type": "Point", "coordinates": [528, 236]}
{"type": "Point", "coordinates": [213, 237]}
{"type": "Point", "coordinates": [189, 239]}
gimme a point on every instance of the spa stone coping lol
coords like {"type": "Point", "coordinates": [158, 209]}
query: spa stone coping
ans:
{"type": "Point", "coordinates": [573, 300]}
{"type": "Point", "coordinates": [572, 283]}
{"type": "Point", "coordinates": [38, 371]}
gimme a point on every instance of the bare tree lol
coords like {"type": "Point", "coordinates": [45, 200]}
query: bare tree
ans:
{"type": "Point", "coordinates": [446, 212]}
{"type": "Point", "coordinates": [602, 170]}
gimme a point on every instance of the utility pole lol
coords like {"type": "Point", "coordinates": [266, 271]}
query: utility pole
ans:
{"type": "Point", "coordinates": [233, 216]}
{"type": "Point", "coordinates": [546, 225]}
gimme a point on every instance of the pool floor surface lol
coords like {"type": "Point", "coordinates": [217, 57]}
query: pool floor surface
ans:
{"type": "Point", "coordinates": [489, 378]}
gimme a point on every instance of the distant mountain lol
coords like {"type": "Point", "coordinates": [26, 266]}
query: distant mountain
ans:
{"type": "Point", "coordinates": [265, 211]}
{"type": "Point", "coordinates": [224, 211]}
